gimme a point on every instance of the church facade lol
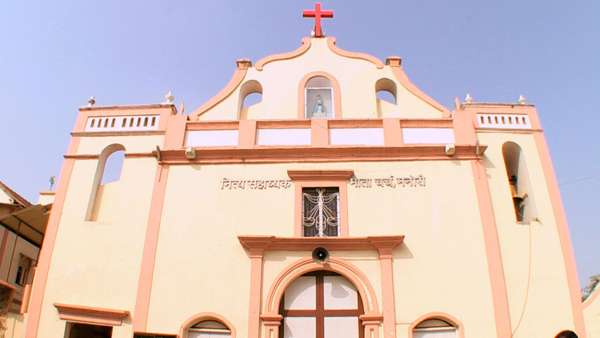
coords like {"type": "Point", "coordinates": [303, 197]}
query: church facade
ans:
{"type": "Point", "coordinates": [320, 211]}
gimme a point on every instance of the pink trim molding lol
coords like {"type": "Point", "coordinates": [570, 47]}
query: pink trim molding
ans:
{"type": "Point", "coordinates": [353, 55]}
{"type": "Point", "coordinates": [562, 229]}
{"type": "Point", "coordinates": [405, 82]}
{"type": "Point", "coordinates": [306, 42]}
{"type": "Point", "coordinates": [257, 243]}
{"type": "Point", "coordinates": [93, 315]}
{"type": "Point", "coordinates": [206, 316]}
{"type": "Point", "coordinates": [460, 328]}
{"type": "Point", "coordinates": [142, 303]}
{"type": "Point", "coordinates": [236, 80]}
{"type": "Point", "coordinates": [492, 249]}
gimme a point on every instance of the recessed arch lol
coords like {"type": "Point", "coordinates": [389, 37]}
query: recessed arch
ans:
{"type": "Point", "coordinates": [388, 86]}
{"type": "Point", "coordinates": [519, 182]}
{"type": "Point", "coordinates": [336, 97]}
{"type": "Point", "coordinates": [250, 94]}
{"type": "Point", "coordinates": [100, 169]}
{"type": "Point", "coordinates": [337, 265]}
{"type": "Point", "coordinates": [205, 316]}
{"type": "Point", "coordinates": [460, 328]}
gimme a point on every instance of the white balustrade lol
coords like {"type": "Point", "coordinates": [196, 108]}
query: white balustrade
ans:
{"type": "Point", "coordinates": [122, 123]}
{"type": "Point", "coordinates": [503, 121]}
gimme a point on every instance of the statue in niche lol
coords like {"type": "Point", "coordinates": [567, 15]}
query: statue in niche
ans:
{"type": "Point", "coordinates": [319, 109]}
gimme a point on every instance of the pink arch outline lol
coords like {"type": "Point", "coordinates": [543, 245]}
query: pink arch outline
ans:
{"type": "Point", "coordinates": [460, 328]}
{"type": "Point", "coordinates": [203, 316]}
{"type": "Point", "coordinates": [338, 265]}
{"type": "Point", "coordinates": [353, 55]}
{"type": "Point", "coordinates": [284, 56]}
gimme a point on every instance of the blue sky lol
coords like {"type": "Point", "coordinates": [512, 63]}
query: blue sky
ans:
{"type": "Point", "coordinates": [54, 55]}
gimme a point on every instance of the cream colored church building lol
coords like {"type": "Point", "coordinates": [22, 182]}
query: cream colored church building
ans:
{"type": "Point", "coordinates": [321, 211]}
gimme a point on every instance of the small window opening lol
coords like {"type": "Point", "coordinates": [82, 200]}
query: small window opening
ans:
{"type": "Point", "coordinates": [139, 121]}
{"type": "Point", "coordinates": [386, 90]}
{"type": "Point", "coordinates": [146, 122]}
{"type": "Point", "coordinates": [113, 167]}
{"type": "Point", "coordinates": [124, 123]}
{"type": "Point", "coordinates": [23, 270]}
{"type": "Point", "coordinates": [320, 212]}
{"type": "Point", "coordinates": [434, 328]}
{"type": "Point", "coordinates": [482, 120]}
{"type": "Point", "coordinates": [252, 99]}
{"type": "Point", "coordinates": [105, 123]}
{"type": "Point", "coordinates": [496, 118]}
{"type": "Point", "coordinates": [209, 328]}
{"type": "Point", "coordinates": [92, 125]}
{"type": "Point", "coordinates": [503, 122]}
{"type": "Point", "coordinates": [112, 124]}
{"type": "Point", "coordinates": [524, 121]}
{"type": "Point", "coordinates": [131, 122]}
{"type": "Point", "coordinates": [153, 121]}
{"type": "Point", "coordinates": [489, 120]}
{"type": "Point", "coordinates": [510, 119]}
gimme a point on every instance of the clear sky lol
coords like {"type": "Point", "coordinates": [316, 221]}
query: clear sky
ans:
{"type": "Point", "coordinates": [55, 54]}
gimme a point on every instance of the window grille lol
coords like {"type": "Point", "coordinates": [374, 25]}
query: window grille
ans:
{"type": "Point", "coordinates": [320, 212]}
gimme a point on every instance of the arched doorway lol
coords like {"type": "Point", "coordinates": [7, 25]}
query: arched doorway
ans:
{"type": "Point", "coordinates": [321, 304]}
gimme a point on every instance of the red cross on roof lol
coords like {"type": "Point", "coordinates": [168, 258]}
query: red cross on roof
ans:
{"type": "Point", "coordinates": [317, 14]}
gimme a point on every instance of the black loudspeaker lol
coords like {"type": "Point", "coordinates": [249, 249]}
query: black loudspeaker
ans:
{"type": "Point", "coordinates": [320, 255]}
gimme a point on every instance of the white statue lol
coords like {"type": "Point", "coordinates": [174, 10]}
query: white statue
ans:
{"type": "Point", "coordinates": [319, 112]}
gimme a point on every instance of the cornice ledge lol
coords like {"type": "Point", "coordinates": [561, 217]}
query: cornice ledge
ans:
{"type": "Point", "coordinates": [353, 55]}
{"type": "Point", "coordinates": [273, 243]}
{"type": "Point", "coordinates": [306, 42]}
{"type": "Point", "coordinates": [318, 175]}
{"type": "Point", "coordinates": [94, 315]}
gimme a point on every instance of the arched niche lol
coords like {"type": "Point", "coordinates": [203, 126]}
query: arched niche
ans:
{"type": "Point", "coordinates": [519, 183]}
{"type": "Point", "coordinates": [250, 97]}
{"type": "Point", "coordinates": [319, 96]}
{"type": "Point", "coordinates": [108, 155]}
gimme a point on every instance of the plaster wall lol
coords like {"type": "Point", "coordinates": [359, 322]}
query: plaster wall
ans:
{"type": "Point", "coordinates": [77, 276]}
{"type": "Point", "coordinates": [533, 263]}
{"type": "Point", "coordinates": [444, 245]}
{"type": "Point", "coordinates": [357, 78]}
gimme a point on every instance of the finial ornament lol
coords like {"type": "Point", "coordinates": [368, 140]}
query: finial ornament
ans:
{"type": "Point", "coordinates": [317, 14]}
{"type": "Point", "coordinates": [181, 108]}
{"type": "Point", "coordinates": [91, 101]}
{"type": "Point", "coordinates": [169, 97]}
{"type": "Point", "coordinates": [52, 181]}
{"type": "Point", "coordinates": [522, 99]}
{"type": "Point", "coordinates": [468, 98]}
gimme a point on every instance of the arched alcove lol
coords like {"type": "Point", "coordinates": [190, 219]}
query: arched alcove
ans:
{"type": "Point", "coordinates": [319, 96]}
{"type": "Point", "coordinates": [110, 164]}
{"type": "Point", "coordinates": [250, 96]}
{"type": "Point", "coordinates": [519, 183]}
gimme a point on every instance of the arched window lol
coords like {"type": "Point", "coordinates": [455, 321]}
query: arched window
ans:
{"type": "Point", "coordinates": [434, 328]}
{"type": "Point", "coordinates": [318, 97]}
{"type": "Point", "coordinates": [209, 329]}
{"type": "Point", "coordinates": [519, 183]}
{"type": "Point", "coordinates": [110, 165]}
{"type": "Point", "coordinates": [250, 95]}
{"type": "Point", "coordinates": [321, 304]}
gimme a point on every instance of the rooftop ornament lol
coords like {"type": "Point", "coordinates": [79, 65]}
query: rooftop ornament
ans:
{"type": "Point", "coordinates": [91, 101]}
{"type": "Point", "coordinates": [169, 98]}
{"type": "Point", "coordinates": [317, 14]}
{"type": "Point", "coordinates": [468, 99]}
{"type": "Point", "coordinates": [522, 99]}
